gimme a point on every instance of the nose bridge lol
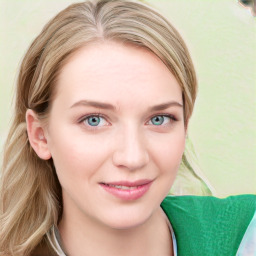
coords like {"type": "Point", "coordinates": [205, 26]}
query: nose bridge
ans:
{"type": "Point", "coordinates": [131, 150]}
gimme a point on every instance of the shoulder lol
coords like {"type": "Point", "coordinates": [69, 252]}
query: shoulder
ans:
{"type": "Point", "coordinates": [209, 224]}
{"type": "Point", "coordinates": [244, 204]}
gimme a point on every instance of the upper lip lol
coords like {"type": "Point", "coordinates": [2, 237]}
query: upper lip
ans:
{"type": "Point", "coordinates": [128, 183]}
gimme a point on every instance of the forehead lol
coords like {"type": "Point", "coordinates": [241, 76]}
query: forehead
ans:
{"type": "Point", "coordinates": [116, 72]}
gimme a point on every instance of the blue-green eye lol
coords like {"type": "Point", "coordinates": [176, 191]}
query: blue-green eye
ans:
{"type": "Point", "coordinates": [95, 120]}
{"type": "Point", "coordinates": [160, 120]}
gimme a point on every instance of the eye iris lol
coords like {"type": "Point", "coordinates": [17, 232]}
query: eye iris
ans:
{"type": "Point", "coordinates": [157, 120]}
{"type": "Point", "coordinates": [94, 120]}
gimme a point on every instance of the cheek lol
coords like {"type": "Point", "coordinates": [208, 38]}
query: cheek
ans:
{"type": "Point", "coordinates": [77, 157]}
{"type": "Point", "coordinates": [168, 153]}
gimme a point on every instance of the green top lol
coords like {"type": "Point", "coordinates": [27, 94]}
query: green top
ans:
{"type": "Point", "coordinates": [206, 225]}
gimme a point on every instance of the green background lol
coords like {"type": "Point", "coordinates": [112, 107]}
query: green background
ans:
{"type": "Point", "coordinates": [221, 36]}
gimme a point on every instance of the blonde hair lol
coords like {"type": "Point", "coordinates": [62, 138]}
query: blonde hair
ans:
{"type": "Point", "coordinates": [30, 193]}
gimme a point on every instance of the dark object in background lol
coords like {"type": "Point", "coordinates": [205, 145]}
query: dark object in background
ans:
{"type": "Point", "coordinates": [250, 4]}
{"type": "Point", "coordinates": [246, 2]}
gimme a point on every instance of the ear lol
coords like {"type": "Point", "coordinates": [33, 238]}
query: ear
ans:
{"type": "Point", "coordinates": [36, 135]}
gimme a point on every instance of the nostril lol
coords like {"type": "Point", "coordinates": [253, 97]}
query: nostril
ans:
{"type": "Point", "coordinates": [132, 161]}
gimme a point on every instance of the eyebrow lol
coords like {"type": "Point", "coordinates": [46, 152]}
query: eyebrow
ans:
{"type": "Point", "coordinates": [108, 106]}
{"type": "Point", "coordinates": [165, 106]}
{"type": "Point", "coordinates": [95, 104]}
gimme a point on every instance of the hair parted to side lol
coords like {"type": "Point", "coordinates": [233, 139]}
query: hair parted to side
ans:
{"type": "Point", "coordinates": [30, 193]}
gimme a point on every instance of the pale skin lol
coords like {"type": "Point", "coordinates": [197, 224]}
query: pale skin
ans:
{"type": "Point", "coordinates": [142, 136]}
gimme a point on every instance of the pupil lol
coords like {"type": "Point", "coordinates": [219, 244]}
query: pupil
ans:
{"type": "Point", "coordinates": [94, 121]}
{"type": "Point", "coordinates": [158, 120]}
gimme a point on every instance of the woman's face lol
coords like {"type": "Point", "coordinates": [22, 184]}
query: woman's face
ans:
{"type": "Point", "coordinates": [116, 134]}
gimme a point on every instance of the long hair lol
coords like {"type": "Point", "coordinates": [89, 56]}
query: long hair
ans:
{"type": "Point", "coordinates": [30, 193]}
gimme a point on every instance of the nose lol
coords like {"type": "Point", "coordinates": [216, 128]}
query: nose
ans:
{"type": "Point", "coordinates": [131, 151]}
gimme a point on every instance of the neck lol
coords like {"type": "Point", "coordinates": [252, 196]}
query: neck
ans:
{"type": "Point", "coordinates": [150, 238]}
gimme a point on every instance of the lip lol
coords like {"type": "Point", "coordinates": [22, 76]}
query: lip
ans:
{"type": "Point", "coordinates": [134, 190]}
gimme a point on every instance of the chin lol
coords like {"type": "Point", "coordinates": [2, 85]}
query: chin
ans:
{"type": "Point", "coordinates": [126, 223]}
{"type": "Point", "coordinates": [127, 218]}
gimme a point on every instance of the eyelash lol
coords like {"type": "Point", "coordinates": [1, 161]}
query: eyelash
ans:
{"type": "Point", "coordinates": [84, 118]}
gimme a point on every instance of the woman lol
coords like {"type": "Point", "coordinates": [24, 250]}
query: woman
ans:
{"type": "Point", "coordinates": [104, 97]}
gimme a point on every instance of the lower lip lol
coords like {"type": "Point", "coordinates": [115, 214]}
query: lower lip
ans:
{"type": "Point", "coordinates": [128, 194]}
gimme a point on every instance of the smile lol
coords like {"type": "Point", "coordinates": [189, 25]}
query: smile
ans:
{"type": "Point", "coordinates": [121, 187]}
{"type": "Point", "coordinates": [127, 190]}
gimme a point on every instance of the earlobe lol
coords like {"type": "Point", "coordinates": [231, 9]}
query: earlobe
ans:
{"type": "Point", "coordinates": [36, 135]}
